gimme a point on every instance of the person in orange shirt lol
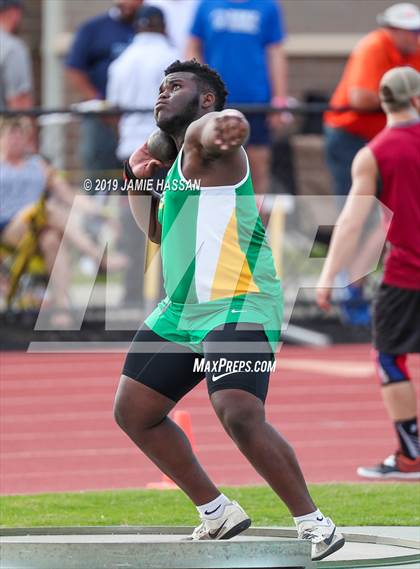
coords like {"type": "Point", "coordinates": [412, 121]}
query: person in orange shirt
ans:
{"type": "Point", "coordinates": [395, 44]}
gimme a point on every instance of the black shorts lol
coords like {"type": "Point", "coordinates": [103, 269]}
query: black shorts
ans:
{"type": "Point", "coordinates": [173, 370]}
{"type": "Point", "coordinates": [396, 328]}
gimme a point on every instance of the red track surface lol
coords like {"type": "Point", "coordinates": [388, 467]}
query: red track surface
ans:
{"type": "Point", "coordinates": [57, 430]}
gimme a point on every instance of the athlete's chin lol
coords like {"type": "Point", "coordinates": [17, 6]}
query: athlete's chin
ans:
{"type": "Point", "coordinates": [165, 123]}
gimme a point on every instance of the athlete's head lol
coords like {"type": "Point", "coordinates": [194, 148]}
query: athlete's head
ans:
{"type": "Point", "coordinates": [188, 91]}
{"type": "Point", "coordinates": [399, 90]}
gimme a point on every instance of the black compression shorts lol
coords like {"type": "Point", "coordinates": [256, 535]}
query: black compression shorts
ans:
{"type": "Point", "coordinates": [173, 370]}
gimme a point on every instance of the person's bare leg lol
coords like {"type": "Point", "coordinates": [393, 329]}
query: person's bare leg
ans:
{"type": "Point", "coordinates": [400, 401]}
{"type": "Point", "coordinates": [399, 397]}
{"type": "Point", "coordinates": [401, 405]}
{"type": "Point", "coordinates": [142, 414]}
{"type": "Point", "coordinates": [63, 221]}
{"type": "Point", "coordinates": [14, 231]}
{"type": "Point", "coordinates": [67, 224]}
{"type": "Point", "coordinates": [58, 266]}
{"type": "Point", "coordinates": [243, 417]}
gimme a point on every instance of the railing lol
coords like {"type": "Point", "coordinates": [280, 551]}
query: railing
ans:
{"type": "Point", "coordinates": [82, 109]}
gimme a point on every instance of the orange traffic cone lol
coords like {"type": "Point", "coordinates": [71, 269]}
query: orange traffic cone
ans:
{"type": "Point", "coordinates": [183, 420]}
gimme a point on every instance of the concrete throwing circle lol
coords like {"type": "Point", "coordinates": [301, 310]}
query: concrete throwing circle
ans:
{"type": "Point", "coordinates": [164, 548]}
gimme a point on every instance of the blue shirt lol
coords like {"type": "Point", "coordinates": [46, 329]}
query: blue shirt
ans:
{"type": "Point", "coordinates": [97, 43]}
{"type": "Point", "coordinates": [235, 36]}
{"type": "Point", "coordinates": [20, 186]}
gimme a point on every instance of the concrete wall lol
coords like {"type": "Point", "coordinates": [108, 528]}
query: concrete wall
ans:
{"type": "Point", "coordinates": [332, 16]}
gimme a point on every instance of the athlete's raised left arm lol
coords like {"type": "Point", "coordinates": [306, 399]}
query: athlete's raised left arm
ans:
{"type": "Point", "coordinates": [350, 223]}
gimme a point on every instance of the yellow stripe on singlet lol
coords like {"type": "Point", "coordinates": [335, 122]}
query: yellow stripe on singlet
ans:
{"type": "Point", "coordinates": [233, 275]}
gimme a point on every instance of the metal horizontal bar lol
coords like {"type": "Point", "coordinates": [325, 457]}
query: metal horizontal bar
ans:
{"type": "Point", "coordinates": [309, 108]}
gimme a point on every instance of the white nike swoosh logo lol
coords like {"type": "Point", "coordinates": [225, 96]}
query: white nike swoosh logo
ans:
{"type": "Point", "coordinates": [216, 377]}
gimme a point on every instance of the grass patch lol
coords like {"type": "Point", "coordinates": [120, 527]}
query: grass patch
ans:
{"type": "Point", "coordinates": [349, 504]}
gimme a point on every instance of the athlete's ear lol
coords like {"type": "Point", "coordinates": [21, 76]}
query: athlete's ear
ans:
{"type": "Point", "coordinates": [207, 100]}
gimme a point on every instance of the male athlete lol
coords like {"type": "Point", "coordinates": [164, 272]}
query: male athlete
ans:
{"type": "Point", "coordinates": [223, 305]}
{"type": "Point", "coordinates": [393, 157]}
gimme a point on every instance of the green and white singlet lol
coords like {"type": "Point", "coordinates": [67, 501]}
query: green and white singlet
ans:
{"type": "Point", "coordinates": [217, 264]}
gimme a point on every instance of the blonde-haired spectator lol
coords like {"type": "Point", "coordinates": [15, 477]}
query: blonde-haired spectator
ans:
{"type": "Point", "coordinates": [25, 178]}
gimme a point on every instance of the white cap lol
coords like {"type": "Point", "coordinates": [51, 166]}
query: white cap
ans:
{"type": "Point", "coordinates": [404, 16]}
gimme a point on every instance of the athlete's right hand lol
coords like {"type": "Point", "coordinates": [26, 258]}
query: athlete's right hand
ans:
{"type": "Point", "coordinates": [230, 131]}
{"type": "Point", "coordinates": [143, 164]}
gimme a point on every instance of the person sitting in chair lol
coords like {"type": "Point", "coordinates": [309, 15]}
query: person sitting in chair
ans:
{"type": "Point", "coordinates": [24, 179]}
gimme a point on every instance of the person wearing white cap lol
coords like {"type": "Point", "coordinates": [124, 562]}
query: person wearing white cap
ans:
{"type": "Point", "coordinates": [402, 16]}
{"type": "Point", "coordinates": [396, 43]}
{"type": "Point", "coordinates": [392, 157]}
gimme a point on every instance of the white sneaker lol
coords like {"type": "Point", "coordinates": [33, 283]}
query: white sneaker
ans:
{"type": "Point", "coordinates": [234, 520]}
{"type": "Point", "coordinates": [325, 539]}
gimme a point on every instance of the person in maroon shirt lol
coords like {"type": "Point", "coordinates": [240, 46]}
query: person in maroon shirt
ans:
{"type": "Point", "coordinates": [393, 158]}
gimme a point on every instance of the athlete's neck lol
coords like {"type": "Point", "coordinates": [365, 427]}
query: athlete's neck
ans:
{"type": "Point", "coordinates": [179, 138]}
{"type": "Point", "coordinates": [409, 115]}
